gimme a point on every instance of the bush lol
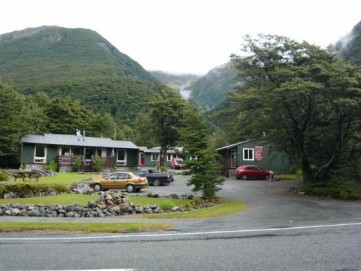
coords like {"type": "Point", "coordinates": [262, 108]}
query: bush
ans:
{"type": "Point", "coordinates": [163, 169]}
{"type": "Point", "coordinates": [77, 164]}
{"type": "Point", "coordinates": [52, 166]}
{"type": "Point", "coordinates": [28, 190]}
{"type": "Point", "coordinates": [3, 176]}
{"type": "Point", "coordinates": [98, 163]}
{"type": "Point", "coordinates": [166, 205]}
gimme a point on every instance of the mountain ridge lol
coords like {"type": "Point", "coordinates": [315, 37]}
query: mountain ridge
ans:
{"type": "Point", "coordinates": [63, 53]}
{"type": "Point", "coordinates": [78, 63]}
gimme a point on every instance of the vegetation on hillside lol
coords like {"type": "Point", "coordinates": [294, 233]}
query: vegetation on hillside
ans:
{"type": "Point", "coordinates": [209, 91]}
{"type": "Point", "coordinates": [349, 47]}
{"type": "Point", "coordinates": [78, 63]}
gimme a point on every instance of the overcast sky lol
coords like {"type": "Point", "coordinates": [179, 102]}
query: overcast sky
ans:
{"type": "Point", "coordinates": [187, 36]}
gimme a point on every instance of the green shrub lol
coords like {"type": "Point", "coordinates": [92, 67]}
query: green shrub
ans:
{"type": "Point", "coordinates": [52, 166]}
{"type": "Point", "coordinates": [2, 190]}
{"type": "Point", "coordinates": [196, 202]}
{"type": "Point", "coordinates": [3, 176]}
{"type": "Point", "coordinates": [27, 190]}
{"type": "Point", "coordinates": [77, 164]}
{"type": "Point", "coordinates": [163, 169]}
{"type": "Point", "coordinates": [166, 205]}
{"type": "Point", "coordinates": [98, 163]}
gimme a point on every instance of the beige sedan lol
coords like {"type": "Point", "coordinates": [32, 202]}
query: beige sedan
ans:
{"type": "Point", "coordinates": [120, 180]}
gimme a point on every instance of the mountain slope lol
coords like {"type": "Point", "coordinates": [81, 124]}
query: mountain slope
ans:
{"type": "Point", "coordinates": [210, 90]}
{"type": "Point", "coordinates": [176, 81]}
{"type": "Point", "coordinates": [349, 47]}
{"type": "Point", "coordinates": [79, 63]}
{"type": "Point", "coordinates": [57, 54]}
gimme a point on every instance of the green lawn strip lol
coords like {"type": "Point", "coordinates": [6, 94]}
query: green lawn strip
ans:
{"type": "Point", "coordinates": [62, 199]}
{"type": "Point", "coordinates": [90, 227]}
{"type": "Point", "coordinates": [226, 207]}
{"type": "Point", "coordinates": [83, 199]}
{"type": "Point", "coordinates": [59, 178]}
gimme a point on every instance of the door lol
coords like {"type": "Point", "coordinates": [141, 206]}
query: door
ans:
{"type": "Point", "coordinates": [123, 180]}
{"type": "Point", "coordinates": [142, 159]}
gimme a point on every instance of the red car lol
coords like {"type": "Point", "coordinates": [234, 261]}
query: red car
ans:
{"type": "Point", "coordinates": [248, 172]}
{"type": "Point", "coordinates": [177, 163]}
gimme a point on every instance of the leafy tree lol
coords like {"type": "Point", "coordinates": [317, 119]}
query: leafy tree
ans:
{"type": "Point", "coordinates": [196, 138]}
{"type": "Point", "coordinates": [166, 114]}
{"type": "Point", "coordinates": [194, 132]}
{"type": "Point", "coordinates": [66, 115]}
{"type": "Point", "coordinates": [104, 126]}
{"type": "Point", "coordinates": [144, 130]}
{"type": "Point", "coordinates": [206, 171]}
{"type": "Point", "coordinates": [19, 116]}
{"type": "Point", "coordinates": [302, 98]}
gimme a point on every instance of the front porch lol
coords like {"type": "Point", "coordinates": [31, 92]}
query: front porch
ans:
{"type": "Point", "coordinates": [68, 163]}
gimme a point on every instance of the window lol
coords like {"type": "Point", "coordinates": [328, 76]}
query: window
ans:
{"type": "Point", "coordinates": [248, 154]}
{"type": "Point", "coordinates": [65, 150]}
{"type": "Point", "coordinates": [170, 157]}
{"type": "Point", "coordinates": [155, 157]}
{"type": "Point", "coordinates": [76, 151]}
{"type": "Point", "coordinates": [40, 154]}
{"type": "Point", "coordinates": [122, 158]}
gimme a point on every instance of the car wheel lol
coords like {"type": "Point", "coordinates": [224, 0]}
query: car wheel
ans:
{"type": "Point", "coordinates": [244, 177]}
{"type": "Point", "coordinates": [156, 182]}
{"type": "Point", "coordinates": [130, 188]}
{"type": "Point", "coordinates": [268, 177]}
{"type": "Point", "coordinates": [97, 187]}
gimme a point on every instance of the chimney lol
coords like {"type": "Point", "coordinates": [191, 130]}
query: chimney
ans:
{"type": "Point", "coordinates": [78, 134]}
{"type": "Point", "coordinates": [84, 135]}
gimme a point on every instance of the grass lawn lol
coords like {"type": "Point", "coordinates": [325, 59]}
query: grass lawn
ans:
{"type": "Point", "coordinates": [83, 199]}
{"type": "Point", "coordinates": [59, 178]}
{"type": "Point", "coordinates": [83, 227]}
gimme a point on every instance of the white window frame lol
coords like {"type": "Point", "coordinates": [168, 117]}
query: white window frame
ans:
{"type": "Point", "coordinates": [156, 158]}
{"type": "Point", "coordinates": [170, 157]}
{"type": "Point", "coordinates": [40, 159]}
{"type": "Point", "coordinates": [248, 154]}
{"type": "Point", "coordinates": [122, 162]}
{"type": "Point", "coordinates": [61, 150]}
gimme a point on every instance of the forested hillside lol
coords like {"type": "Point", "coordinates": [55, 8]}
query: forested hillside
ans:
{"type": "Point", "coordinates": [210, 91]}
{"type": "Point", "coordinates": [79, 63]}
{"type": "Point", "coordinates": [349, 48]}
{"type": "Point", "coordinates": [176, 81]}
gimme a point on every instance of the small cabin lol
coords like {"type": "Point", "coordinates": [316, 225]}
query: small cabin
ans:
{"type": "Point", "coordinates": [252, 152]}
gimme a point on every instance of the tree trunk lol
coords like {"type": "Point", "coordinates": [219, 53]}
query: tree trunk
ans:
{"type": "Point", "coordinates": [306, 171]}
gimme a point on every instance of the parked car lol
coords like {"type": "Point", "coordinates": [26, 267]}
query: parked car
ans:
{"type": "Point", "coordinates": [253, 172]}
{"type": "Point", "coordinates": [120, 180]}
{"type": "Point", "coordinates": [156, 178]}
{"type": "Point", "coordinates": [177, 163]}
